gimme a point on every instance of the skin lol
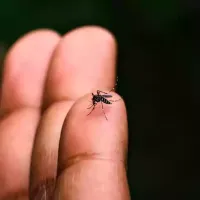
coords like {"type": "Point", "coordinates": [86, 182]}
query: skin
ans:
{"type": "Point", "coordinates": [49, 147]}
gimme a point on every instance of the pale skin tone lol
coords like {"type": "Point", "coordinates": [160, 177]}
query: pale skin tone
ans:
{"type": "Point", "coordinates": [49, 147]}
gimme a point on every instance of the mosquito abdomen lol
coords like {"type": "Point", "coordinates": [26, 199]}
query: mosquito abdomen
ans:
{"type": "Point", "coordinates": [104, 100]}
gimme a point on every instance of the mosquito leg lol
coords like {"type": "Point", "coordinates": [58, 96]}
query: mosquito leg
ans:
{"type": "Point", "coordinates": [90, 106]}
{"type": "Point", "coordinates": [113, 89]}
{"type": "Point", "coordinates": [99, 91]}
{"type": "Point", "coordinates": [103, 111]}
{"type": "Point", "coordinates": [115, 100]}
{"type": "Point", "coordinates": [92, 109]}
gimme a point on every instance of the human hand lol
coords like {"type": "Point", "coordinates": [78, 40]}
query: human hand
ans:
{"type": "Point", "coordinates": [47, 85]}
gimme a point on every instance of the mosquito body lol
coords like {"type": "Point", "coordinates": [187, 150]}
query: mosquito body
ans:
{"type": "Point", "coordinates": [101, 97]}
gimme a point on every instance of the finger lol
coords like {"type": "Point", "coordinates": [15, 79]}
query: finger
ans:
{"type": "Point", "coordinates": [45, 151]}
{"type": "Point", "coordinates": [25, 70]}
{"type": "Point", "coordinates": [87, 49]}
{"type": "Point", "coordinates": [84, 61]}
{"type": "Point", "coordinates": [16, 139]}
{"type": "Point", "coordinates": [24, 76]}
{"type": "Point", "coordinates": [92, 153]}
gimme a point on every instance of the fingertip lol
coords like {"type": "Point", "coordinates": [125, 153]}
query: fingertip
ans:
{"type": "Point", "coordinates": [93, 134]}
{"type": "Point", "coordinates": [93, 32]}
{"type": "Point", "coordinates": [27, 40]}
{"type": "Point", "coordinates": [114, 111]}
{"type": "Point", "coordinates": [25, 69]}
{"type": "Point", "coordinates": [85, 58]}
{"type": "Point", "coordinates": [92, 157]}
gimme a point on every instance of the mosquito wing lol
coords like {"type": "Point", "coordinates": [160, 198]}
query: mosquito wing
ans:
{"type": "Point", "coordinates": [106, 96]}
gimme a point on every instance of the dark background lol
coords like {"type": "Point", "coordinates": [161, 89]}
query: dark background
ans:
{"type": "Point", "coordinates": [159, 78]}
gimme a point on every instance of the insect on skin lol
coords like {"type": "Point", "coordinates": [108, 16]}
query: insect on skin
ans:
{"type": "Point", "coordinates": [101, 97]}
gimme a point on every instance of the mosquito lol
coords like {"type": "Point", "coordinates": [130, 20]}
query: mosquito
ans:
{"type": "Point", "coordinates": [101, 97]}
